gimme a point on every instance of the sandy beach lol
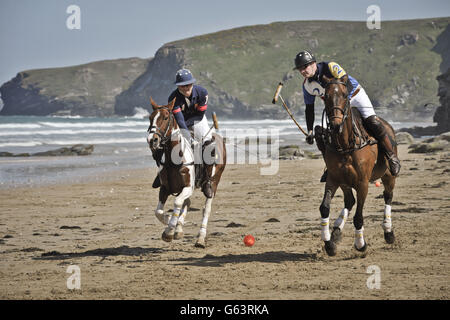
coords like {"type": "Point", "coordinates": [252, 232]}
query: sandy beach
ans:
{"type": "Point", "coordinates": [108, 229]}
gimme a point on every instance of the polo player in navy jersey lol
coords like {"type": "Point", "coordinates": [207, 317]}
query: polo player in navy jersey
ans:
{"type": "Point", "coordinates": [191, 103]}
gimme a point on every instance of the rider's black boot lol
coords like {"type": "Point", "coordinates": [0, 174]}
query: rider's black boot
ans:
{"type": "Point", "coordinates": [376, 127]}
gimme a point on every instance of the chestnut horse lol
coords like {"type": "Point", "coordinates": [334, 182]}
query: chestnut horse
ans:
{"type": "Point", "coordinates": [353, 160]}
{"type": "Point", "coordinates": [177, 173]}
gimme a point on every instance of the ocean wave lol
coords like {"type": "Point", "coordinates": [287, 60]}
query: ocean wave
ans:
{"type": "Point", "coordinates": [98, 141]}
{"type": "Point", "coordinates": [67, 117]}
{"type": "Point", "coordinates": [256, 122]}
{"type": "Point", "coordinates": [94, 124]}
{"type": "Point", "coordinates": [69, 132]}
{"type": "Point", "coordinates": [19, 126]}
{"type": "Point", "coordinates": [139, 113]}
{"type": "Point", "coordinates": [34, 143]}
{"type": "Point", "coordinates": [21, 144]}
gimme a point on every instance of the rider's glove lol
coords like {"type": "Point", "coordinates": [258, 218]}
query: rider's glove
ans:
{"type": "Point", "coordinates": [310, 137]}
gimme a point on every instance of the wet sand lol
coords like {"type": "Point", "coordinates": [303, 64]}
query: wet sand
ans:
{"type": "Point", "coordinates": [108, 229]}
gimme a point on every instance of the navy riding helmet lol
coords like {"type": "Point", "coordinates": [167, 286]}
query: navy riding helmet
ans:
{"type": "Point", "coordinates": [184, 77]}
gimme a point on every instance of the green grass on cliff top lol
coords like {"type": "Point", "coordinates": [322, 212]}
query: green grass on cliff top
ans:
{"type": "Point", "coordinates": [249, 62]}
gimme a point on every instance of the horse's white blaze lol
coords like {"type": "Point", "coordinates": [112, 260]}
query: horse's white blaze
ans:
{"type": "Point", "coordinates": [324, 223]}
{"type": "Point", "coordinates": [152, 128]}
{"type": "Point", "coordinates": [155, 120]}
{"type": "Point", "coordinates": [359, 238]}
{"type": "Point", "coordinates": [387, 222]}
{"type": "Point", "coordinates": [340, 221]}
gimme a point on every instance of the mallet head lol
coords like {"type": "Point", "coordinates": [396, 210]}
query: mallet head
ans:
{"type": "Point", "coordinates": [277, 92]}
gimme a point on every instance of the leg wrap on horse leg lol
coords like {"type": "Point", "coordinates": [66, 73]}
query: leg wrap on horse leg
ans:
{"type": "Point", "coordinates": [359, 238]}
{"type": "Point", "coordinates": [340, 221]}
{"type": "Point", "coordinates": [324, 224]}
{"type": "Point", "coordinates": [387, 222]}
{"type": "Point", "coordinates": [174, 219]}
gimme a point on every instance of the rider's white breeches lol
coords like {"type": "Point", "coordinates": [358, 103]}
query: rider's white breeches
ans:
{"type": "Point", "coordinates": [362, 102]}
{"type": "Point", "coordinates": [200, 129]}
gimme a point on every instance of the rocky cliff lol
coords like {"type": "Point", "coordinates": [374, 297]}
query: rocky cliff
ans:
{"type": "Point", "coordinates": [86, 90]}
{"type": "Point", "coordinates": [442, 115]}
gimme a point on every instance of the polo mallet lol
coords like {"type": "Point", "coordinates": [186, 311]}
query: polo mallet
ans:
{"type": "Point", "coordinates": [274, 101]}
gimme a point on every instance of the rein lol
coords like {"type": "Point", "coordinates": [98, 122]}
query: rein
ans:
{"type": "Point", "coordinates": [333, 138]}
{"type": "Point", "coordinates": [165, 138]}
{"type": "Point", "coordinates": [346, 112]}
{"type": "Point", "coordinates": [164, 145]}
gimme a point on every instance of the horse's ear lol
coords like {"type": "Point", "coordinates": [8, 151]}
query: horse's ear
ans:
{"type": "Point", "coordinates": [154, 105]}
{"type": "Point", "coordinates": [171, 104]}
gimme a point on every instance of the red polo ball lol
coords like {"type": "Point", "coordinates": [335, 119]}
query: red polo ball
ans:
{"type": "Point", "coordinates": [249, 240]}
{"type": "Point", "coordinates": [377, 184]}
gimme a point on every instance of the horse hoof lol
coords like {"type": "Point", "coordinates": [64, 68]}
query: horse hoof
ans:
{"type": "Point", "coordinates": [336, 235]}
{"type": "Point", "coordinates": [200, 244]}
{"type": "Point", "coordinates": [167, 237]}
{"type": "Point", "coordinates": [363, 248]}
{"type": "Point", "coordinates": [178, 232]}
{"type": "Point", "coordinates": [389, 237]}
{"type": "Point", "coordinates": [330, 248]}
{"type": "Point", "coordinates": [178, 235]}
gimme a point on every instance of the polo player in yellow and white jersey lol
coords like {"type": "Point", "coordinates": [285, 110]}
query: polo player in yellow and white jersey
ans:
{"type": "Point", "coordinates": [314, 85]}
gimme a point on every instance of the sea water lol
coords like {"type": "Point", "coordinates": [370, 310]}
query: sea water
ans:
{"type": "Point", "coordinates": [119, 143]}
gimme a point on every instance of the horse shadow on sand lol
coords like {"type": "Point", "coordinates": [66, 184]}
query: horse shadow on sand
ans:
{"type": "Point", "coordinates": [266, 257]}
{"type": "Point", "coordinates": [101, 252]}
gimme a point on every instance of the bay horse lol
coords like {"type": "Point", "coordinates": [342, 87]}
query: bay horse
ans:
{"type": "Point", "coordinates": [353, 160]}
{"type": "Point", "coordinates": [177, 173]}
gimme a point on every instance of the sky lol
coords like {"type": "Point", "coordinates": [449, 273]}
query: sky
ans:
{"type": "Point", "coordinates": [34, 33]}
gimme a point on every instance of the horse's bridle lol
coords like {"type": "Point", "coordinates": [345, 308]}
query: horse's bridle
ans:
{"type": "Point", "coordinates": [344, 110]}
{"type": "Point", "coordinates": [163, 136]}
